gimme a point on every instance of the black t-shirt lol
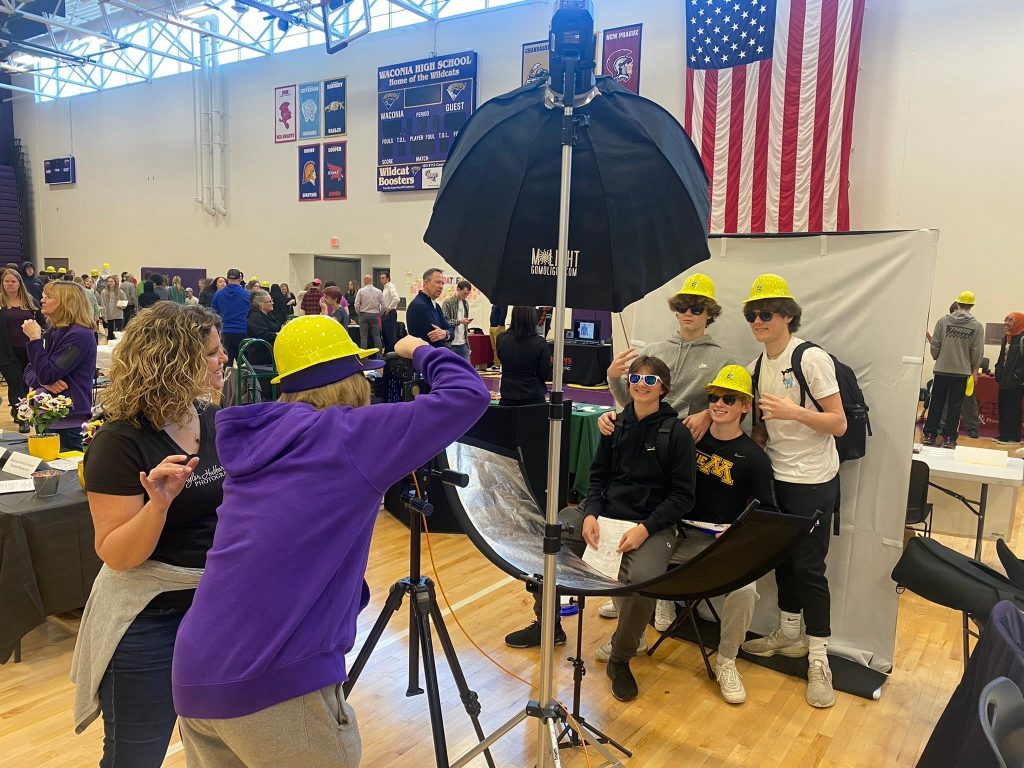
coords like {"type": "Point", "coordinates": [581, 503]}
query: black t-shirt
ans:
{"type": "Point", "coordinates": [525, 366]}
{"type": "Point", "coordinates": [729, 474]}
{"type": "Point", "coordinates": [117, 455]}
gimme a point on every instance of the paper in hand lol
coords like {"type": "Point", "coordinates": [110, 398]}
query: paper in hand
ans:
{"type": "Point", "coordinates": [607, 559]}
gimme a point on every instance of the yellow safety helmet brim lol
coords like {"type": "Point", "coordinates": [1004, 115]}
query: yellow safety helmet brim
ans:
{"type": "Point", "coordinates": [698, 284]}
{"type": "Point", "coordinates": [735, 378]}
{"type": "Point", "coordinates": [966, 297]}
{"type": "Point", "coordinates": [310, 340]}
{"type": "Point", "coordinates": [769, 286]}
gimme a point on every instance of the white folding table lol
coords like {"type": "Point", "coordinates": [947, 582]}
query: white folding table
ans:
{"type": "Point", "coordinates": [943, 463]}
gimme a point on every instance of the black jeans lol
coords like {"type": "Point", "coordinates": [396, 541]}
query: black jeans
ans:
{"type": "Point", "coordinates": [14, 376]}
{"type": "Point", "coordinates": [801, 579]}
{"type": "Point", "coordinates": [135, 693]}
{"type": "Point", "coordinates": [1010, 413]}
{"type": "Point", "coordinates": [389, 329]}
{"type": "Point", "coordinates": [232, 341]}
{"type": "Point", "coordinates": [948, 391]}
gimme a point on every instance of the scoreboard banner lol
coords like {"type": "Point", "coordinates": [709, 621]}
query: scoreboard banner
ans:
{"type": "Point", "coordinates": [621, 54]}
{"type": "Point", "coordinates": [309, 172]}
{"type": "Point", "coordinates": [284, 114]}
{"type": "Point", "coordinates": [335, 107]}
{"type": "Point", "coordinates": [535, 61]}
{"type": "Point", "coordinates": [335, 171]}
{"type": "Point", "coordinates": [421, 107]}
{"type": "Point", "coordinates": [309, 110]}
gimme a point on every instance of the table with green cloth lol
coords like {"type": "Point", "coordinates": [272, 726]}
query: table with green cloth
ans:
{"type": "Point", "coordinates": [584, 437]}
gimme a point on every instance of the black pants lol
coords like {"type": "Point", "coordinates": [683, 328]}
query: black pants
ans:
{"type": "Point", "coordinates": [16, 388]}
{"type": "Point", "coordinates": [232, 341]}
{"type": "Point", "coordinates": [114, 325]}
{"type": "Point", "coordinates": [801, 579]}
{"type": "Point", "coordinates": [1010, 413]}
{"type": "Point", "coordinates": [948, 391]}
{"type": "Point", "coordinates": [389, 328]}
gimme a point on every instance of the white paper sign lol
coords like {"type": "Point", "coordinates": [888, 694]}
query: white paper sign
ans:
{"type": "Point", "coordinates": [69, 464]}
{"type": "Point", "coordinates": [16, 486]}
{"type": "Point", "coordinates": [21, 464]}
{"type": "Point", "coordinates": [607, 558]}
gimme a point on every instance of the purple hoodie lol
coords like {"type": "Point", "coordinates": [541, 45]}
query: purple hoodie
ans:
{"type": "Point", "coordinates": [68, 355]}
{"type": "Point", "coordinates": [275, 612]}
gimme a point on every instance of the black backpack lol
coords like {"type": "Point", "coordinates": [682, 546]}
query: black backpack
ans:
{"type": "Point", "coordinates": [853, 444]}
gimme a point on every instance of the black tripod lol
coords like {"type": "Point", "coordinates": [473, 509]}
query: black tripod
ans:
{"type": "Point", "coordinates": [570, 737]}
{"type": "Point", "coordinates": [422, 609]}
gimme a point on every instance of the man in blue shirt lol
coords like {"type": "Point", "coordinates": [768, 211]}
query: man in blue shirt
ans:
{"type": "Point", "coordinates": [232, 304]}
{"type": "Point", "coordinates": [424, 318]}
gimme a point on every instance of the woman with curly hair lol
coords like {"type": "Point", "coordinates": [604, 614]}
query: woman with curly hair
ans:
{"type": "Point", "coordinates": [63, 359]}
{"type": "Point", "coordinates": [154, 481]}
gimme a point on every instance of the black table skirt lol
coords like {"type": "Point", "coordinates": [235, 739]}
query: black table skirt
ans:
{"type": "Point", "coordinates": [585, 364]}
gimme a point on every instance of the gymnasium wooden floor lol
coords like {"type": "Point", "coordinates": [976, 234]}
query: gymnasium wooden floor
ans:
{"type": "Point", "coordinates": [678, 720]}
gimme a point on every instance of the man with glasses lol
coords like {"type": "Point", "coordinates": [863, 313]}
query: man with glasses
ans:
{"type": "Point", "coordinates": [732, 470]}
{"type": "Point", "coordinates": [800, 441]}
{"type": "Point", "coordinates": [693, 358]}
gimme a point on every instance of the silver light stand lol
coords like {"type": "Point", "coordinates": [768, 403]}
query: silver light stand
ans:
{"type": "Point", "coordinates": [548, 712]}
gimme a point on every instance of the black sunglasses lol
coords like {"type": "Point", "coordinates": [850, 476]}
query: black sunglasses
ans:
{"type": "Point", "coordinates": [727, 399]}
{"type": "Point", "coordinates": [764, 315]}
{"type": "Point", "coordinates": [694, 309]}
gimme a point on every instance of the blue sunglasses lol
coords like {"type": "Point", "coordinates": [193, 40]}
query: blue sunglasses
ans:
{"type": "Point", "coordinates": [647, 378]}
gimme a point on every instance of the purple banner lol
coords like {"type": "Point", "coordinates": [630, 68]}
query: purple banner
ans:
{"type": "Point", "coordinates": [620, 52]}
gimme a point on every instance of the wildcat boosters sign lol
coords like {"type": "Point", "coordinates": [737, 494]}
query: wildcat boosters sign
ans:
{"type": "Point", "coordinates": [285, 114]}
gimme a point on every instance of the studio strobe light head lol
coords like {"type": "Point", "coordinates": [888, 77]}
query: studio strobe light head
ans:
{"type": "Point", "coordinates": [572, 37]}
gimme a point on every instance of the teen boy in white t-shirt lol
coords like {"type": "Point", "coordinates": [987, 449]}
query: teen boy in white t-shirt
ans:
{"type": "Point", "coordinates": [800, 441]}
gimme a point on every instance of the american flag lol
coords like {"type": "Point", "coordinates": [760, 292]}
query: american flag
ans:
{"type": "Point", "coordinates": [770, 88]}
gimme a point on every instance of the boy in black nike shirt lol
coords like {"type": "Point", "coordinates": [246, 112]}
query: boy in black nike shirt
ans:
{"type": "Point", "coordinates": [731, 470]}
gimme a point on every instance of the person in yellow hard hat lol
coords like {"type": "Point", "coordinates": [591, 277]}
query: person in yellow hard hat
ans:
{"type": "Point", "coordinates": [800, 441]}
{"type": "Point", "coordinates": [732, 470]}
{"type": "Point", "coordinates": [693, 356]}
{"type": "Point", "coordinates": [259, 659]}
{"type": "Point", "coordinates": [957, 345]}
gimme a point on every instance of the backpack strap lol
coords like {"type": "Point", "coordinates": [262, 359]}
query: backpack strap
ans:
{"type": "Point", "coordinates": [798, 371]}
{"type": "Point", "coordinates": [756, 379]}
{"type": "Point", "coordinates": [664, 447]}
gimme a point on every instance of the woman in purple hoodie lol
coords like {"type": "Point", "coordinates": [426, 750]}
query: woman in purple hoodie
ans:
{"type": "Point", "coordinates": [260, 657]}
{"type": "Point", "coordinates": [63, 359]}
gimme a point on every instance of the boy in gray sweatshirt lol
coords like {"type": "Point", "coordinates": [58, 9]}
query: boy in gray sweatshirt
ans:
{"type": "Point", "coordinates": [957, 346]}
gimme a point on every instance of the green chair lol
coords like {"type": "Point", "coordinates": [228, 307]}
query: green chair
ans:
{"type": "Point", "coordinates": [253, 384]}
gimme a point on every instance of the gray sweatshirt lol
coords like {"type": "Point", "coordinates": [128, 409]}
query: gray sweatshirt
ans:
{"type": "Point", "coordinates": [694, 364]}
{"type": "Point", "coordinates": [958, 344]}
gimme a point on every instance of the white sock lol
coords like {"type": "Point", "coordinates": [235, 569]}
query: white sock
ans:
{"type": "Point", "coordinates": [817, 649]}
{"type": "Point", "coordinates": [789, 623]}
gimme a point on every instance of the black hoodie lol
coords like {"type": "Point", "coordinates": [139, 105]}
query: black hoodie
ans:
{"type": "Point", "coordinates": [32, 284]}
{"type": "Point", "coordinates": [627, 481]}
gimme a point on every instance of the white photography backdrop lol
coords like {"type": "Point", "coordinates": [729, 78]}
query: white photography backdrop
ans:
{"type": "Point", "coordinates": [865, 299]}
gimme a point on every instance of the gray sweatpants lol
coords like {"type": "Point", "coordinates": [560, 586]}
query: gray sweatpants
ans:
{"type": "Point", "coordinates": [317, 730]}
{"type": "Point", "coordinates": [647, 562]}
{"type": "Point", "coordinates": [369, 331]}
{"type": "Point", "coordinates": [736, 609]}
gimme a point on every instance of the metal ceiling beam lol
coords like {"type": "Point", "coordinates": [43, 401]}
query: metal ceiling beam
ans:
{"type": "Point", "coordinates": [58, 55]}
{"type": "Point", "coordinates": [182, 24]}
{"type": "Point", "coordinates": [19, 89]}
{"type": "Point", "coordinates": [53, 21]}
{"type": "Point", "coordinates": [63, 80]}
{"type": "Point", "coordinates": [412, 7]}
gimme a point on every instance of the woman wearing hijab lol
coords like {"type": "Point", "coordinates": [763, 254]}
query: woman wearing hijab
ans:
{"type": "Point", "coordinates": [1010, 376]}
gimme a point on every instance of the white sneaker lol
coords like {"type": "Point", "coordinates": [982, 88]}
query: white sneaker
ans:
{"type": "Point", "coordinates": [664, 615]}
{"type": "Point", "coordinates": [605, 651]}
{"type": "Point", "coordinates": [819, 685]}
{"type": "Point", "coordinates": [729, 682]}
{"type": "Point", "coordinates": [776, 643]}
{"type": "Point", "coordinates": [609, 610]}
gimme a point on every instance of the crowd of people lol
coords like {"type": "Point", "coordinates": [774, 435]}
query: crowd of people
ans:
{"type": "Point", "coordinates": [223, 635]}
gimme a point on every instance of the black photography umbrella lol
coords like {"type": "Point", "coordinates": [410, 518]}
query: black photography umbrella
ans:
{"type": "Point", "coordinates": [639, 208]}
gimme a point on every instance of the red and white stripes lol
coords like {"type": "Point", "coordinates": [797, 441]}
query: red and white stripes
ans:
{"type": "Point", "coordinates": [775, 134]}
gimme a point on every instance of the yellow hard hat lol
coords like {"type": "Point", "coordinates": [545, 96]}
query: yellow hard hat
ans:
{"type": "Point", "coordinates": [967, 297]}
{"type": "Point", "coordinates": [735, 378]}
{"type": "Point", "coordinates": [769, 287]}
{"type": "Point", "coordinates": [51, 270]}
{"type": "Point", "coordinates": [314, 350]}
{"type": "Point", "coordinates": [106, 265]}
{"type": "Point", "coordinates": [62, 271]}
{"type": "Point", "coordinates": [264, 284]}
{"type": "Point", "coordinates": [697, 284]}
{"type": "Point", "coordinates": [94, 272]}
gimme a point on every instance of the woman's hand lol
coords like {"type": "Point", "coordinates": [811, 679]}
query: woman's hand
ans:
{"type": "Point", "coordinates": [56, 387]}
{"type": "Point", "coordinates": [406, 345]}
{"type": "Point", "coordinates": [606, 423]}
{"type": "Point", "coordinates": [166, 480]}
{"type": "Point", "coordinates": [591, 531]}
{"type": "Point", "coordinates": [633, 538]}
{"type": "Point", "coordinates": [32, 330]}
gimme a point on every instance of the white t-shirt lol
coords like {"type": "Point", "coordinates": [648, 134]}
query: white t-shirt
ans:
{"type": "Point", "coordinates": [799, 454]}
{"type": "Point", "coordinates": [460, 328]}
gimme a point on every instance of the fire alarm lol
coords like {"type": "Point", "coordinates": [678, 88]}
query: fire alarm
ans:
{"type": "Point", "coordinates": [334, 242]}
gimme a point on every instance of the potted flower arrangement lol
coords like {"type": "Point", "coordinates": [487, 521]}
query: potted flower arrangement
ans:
{"type": "Point", "coordinates": [40, 409]}
{"type": "Point", "coordinates": [89, 429]}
